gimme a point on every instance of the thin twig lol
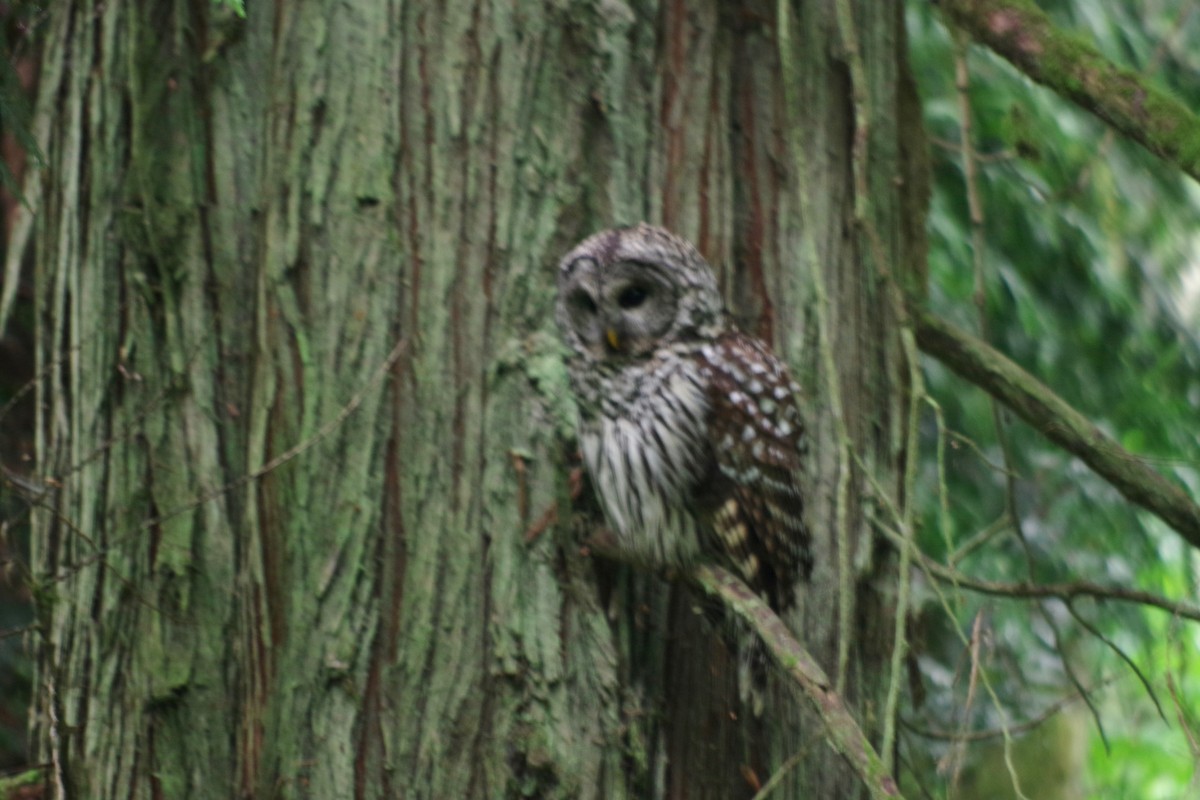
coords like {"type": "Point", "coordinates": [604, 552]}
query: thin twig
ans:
{"type": "Point", "coordinates": [1072, 677]}
{"type": "Point", "coordinates": [1092, 629]}
{"type": "Point", "coordinates": [56, 745]}
{"type": "Point", "coordinates": [1185, 723]}
{"type": "Point", "coordinates": [978, 540]}
{"type": "Point", "coordinates": [955, 147]}
{"type": "Point", "coordinates": [550, 515]}
{"type": "Point", "coordinates": [1062, 591]}
{"type": "Point", "coordinates": [777, 777]}
{"type": "Point", "coordinates": [10, 632]}
{"type": "Point", "coordinates": [957, 754]}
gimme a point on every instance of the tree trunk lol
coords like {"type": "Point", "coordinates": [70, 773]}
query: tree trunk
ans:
{"type": "Point", "coordinates": [309, 529]}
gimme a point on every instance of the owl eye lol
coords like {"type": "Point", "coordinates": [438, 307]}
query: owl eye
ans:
{"type": "Point", "coordinates": [631, 297]}
{"type": "Point", "coordinates": [584, 302]}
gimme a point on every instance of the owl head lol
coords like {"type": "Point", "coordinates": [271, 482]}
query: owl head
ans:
{"type": "Point", "coordinates": [624, 293]}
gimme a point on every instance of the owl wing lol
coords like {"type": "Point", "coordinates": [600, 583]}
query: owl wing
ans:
{"type": "Point", "coordinates": [751, 500]}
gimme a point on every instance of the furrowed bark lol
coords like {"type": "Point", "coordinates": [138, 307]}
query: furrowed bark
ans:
{"type": "Point", "coordinates": [305, 400]}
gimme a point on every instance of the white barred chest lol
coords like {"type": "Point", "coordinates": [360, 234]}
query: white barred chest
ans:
{"type": "Point", "coordinates": [645, 452]}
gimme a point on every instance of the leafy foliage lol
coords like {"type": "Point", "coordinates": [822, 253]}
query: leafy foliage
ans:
{"type": "Point", "coordinates": [1089, 250]}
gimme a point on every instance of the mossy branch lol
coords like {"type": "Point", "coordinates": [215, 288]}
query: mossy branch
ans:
{"type": "Point", "coordinates": [842, 732]}
{"type": "Point", "coordinates": [1071, 66]}
{"type": "Point", "coordinates": [1035, 403]}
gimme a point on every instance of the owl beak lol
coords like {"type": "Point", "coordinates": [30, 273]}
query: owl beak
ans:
{"type": "Point", "coordinates": [614, 341]}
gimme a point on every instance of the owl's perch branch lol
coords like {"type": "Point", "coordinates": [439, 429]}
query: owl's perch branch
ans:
{"type": "Point", "coordinates": [1021, 33]}
{"type": "Point", "coordinates": [843, 733]}
{"type": "Point", "coordinates": [1035, 403]}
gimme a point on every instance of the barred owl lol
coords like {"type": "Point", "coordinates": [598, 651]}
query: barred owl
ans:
{"type": "Point", "coordinates": [689, 428]}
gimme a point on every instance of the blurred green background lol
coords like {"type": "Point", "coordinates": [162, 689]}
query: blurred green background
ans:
{"type": "Point", "coordinates": [1091, 281]}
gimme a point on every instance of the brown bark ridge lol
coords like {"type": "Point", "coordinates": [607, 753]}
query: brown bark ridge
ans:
{"type": "Point", "coordinates": [304, 399]}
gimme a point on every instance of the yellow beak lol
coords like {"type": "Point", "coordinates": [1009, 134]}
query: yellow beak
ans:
{"type": "Point", "coordinates": [614, 341]}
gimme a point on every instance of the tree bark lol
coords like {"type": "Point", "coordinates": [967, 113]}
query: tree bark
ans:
{"type": "Point", "coordinates": [305, 420]}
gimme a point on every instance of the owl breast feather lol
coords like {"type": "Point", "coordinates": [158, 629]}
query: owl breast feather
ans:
{"type": "Point", "coordinates": [645, 454]}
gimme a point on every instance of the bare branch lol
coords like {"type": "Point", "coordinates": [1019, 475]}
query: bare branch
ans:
{"type": "Point", "coordinates": [843, 733]}
{"type": "Point", "coordinates": [1071, 66]}
{"type": "Point", "coordinates": [1035, 403]}
{"type": "Point", "coordinates": [1066, 592]}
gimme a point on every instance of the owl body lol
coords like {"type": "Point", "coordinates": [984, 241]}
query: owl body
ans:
{"type": "Point", "coordinates": [645, 452]}
{"type": "Point", "coordinates": [689, 428]}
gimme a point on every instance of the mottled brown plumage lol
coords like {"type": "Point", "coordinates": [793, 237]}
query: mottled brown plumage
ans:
{"type": "Point", "coordinates": [758, 441]}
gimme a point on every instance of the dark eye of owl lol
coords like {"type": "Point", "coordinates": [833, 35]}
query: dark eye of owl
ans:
{"type": "Point", "coordinates": [631, 297]}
